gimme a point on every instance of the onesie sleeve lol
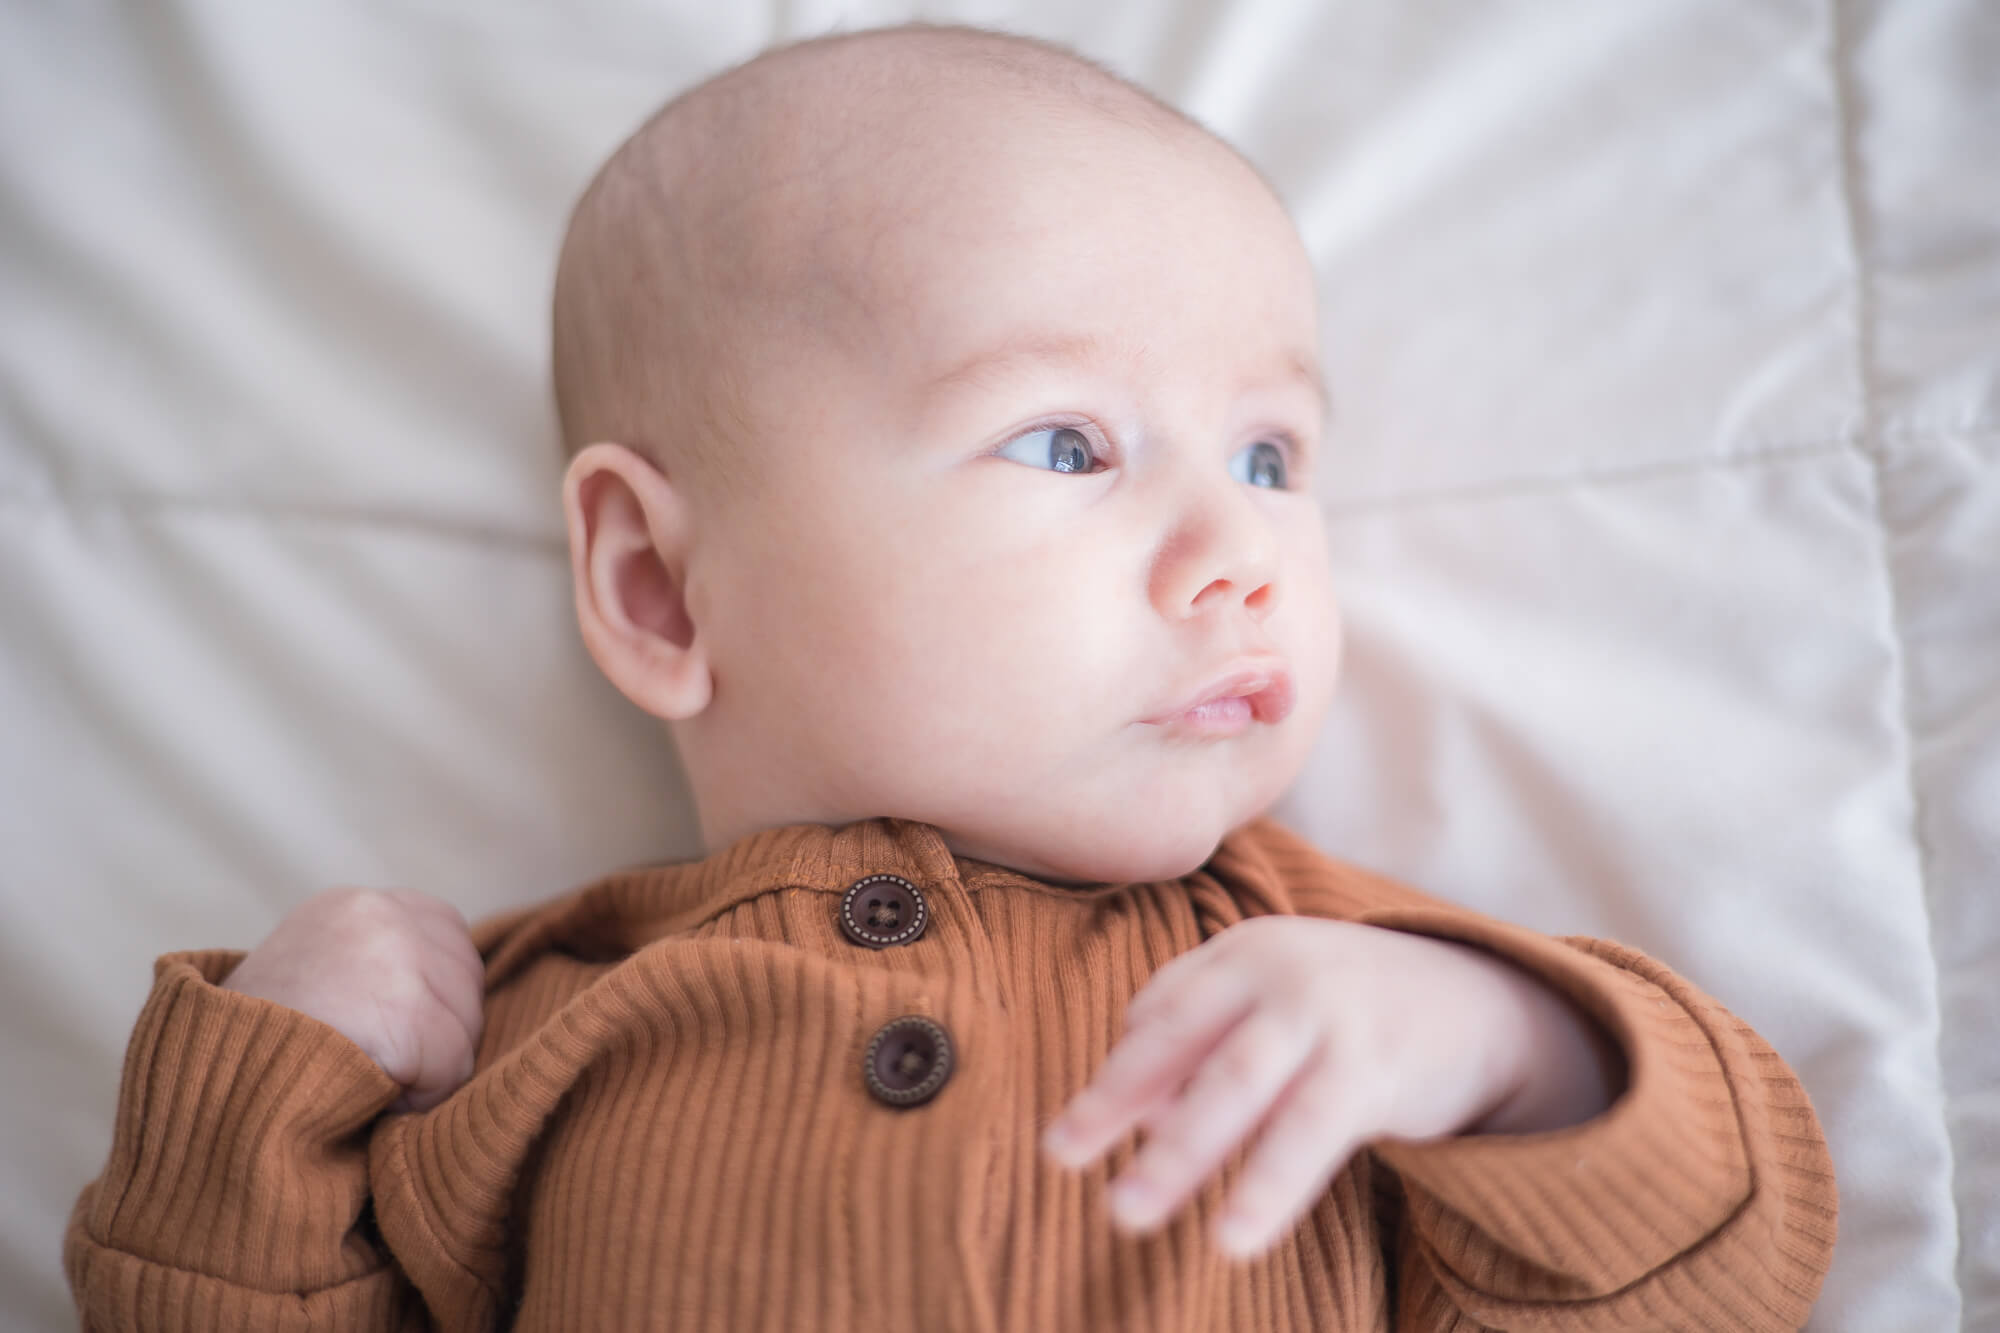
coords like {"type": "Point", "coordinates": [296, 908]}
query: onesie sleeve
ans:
{"type": "Point", "coordinates": [1703, 1198]}
{"type": "Point", "coordinates": [236, 1195]}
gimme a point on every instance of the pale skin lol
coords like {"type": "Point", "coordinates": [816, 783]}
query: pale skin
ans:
{"type": "Point", "coordinates": [912, 608]}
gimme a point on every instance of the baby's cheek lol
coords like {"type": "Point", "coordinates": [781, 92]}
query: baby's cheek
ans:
{"type": "Point", "coordinates": [1312, 635]}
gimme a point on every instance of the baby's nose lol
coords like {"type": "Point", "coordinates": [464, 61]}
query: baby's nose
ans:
{"type": "Point", "coordinates": [1223, 550]}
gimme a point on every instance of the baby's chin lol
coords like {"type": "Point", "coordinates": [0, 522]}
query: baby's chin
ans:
{"type": "Point", "coordinates": [1107, 854]}
{"type": "Point", "coordinates": [1113, 828]}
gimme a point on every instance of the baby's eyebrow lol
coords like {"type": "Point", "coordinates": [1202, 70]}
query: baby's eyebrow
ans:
{"type": "Point", "coordinates": [1055, 348]}
{"type": "Point", "coordinates": [1307, 369]}
{"type": "Point", "coordinates": [1040, 347]}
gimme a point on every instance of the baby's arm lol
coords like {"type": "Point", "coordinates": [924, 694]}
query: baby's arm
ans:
{"type": "Point", "coordinates": [1704, 1198]}
{"type": "Point", "coordinates": [239, 1174]}
{"type": "Point", "coordinates": [1360, 1014]}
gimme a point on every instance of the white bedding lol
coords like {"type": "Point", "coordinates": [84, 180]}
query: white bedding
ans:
{"type": "Point", "coordinates": [1665, 344]}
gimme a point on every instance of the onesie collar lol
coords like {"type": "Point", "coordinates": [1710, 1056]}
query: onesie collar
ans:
{"type": "Point", "coordinates": [629, 908]}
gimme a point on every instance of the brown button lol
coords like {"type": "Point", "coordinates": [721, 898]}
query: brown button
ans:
{"type": "Point", "coordinates": [908, 1061]}
{"type": "Point", "coordinates": [882, 910]}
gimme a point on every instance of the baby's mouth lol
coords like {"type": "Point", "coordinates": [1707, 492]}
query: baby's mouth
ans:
{"type": "Point", "coordinates": [1257, 691]}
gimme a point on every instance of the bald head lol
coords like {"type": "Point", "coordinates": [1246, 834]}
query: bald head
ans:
{"type": "Point", "coordinates": [742, 217]}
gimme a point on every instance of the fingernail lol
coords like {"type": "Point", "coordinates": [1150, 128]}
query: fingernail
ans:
{"type": "Point", "coordinates": [1237, 1233]}
{"type": "Point", "coordinates": [1133, 1202]}
{"type": "Point", "coordinates": [1059, 1141]}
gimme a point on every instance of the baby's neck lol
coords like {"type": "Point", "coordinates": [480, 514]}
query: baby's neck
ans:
{"type": "Point", "coordinates": [718, 837]}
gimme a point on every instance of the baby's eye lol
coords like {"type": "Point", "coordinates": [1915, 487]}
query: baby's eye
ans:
{"type": "Point", "coordinates": [1059, 449]}
{"type": "Point", "coordinates": [1266, 466]}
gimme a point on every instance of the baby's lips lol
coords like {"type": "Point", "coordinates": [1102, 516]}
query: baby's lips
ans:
{"type": "Point", "coordinates": [1273, 703]}
{"type": "Point", "coordinates": [1264, 681]}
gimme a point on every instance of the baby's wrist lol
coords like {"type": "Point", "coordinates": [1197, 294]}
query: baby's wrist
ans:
{"type": "Point", "coordinates": [1569, 1070]}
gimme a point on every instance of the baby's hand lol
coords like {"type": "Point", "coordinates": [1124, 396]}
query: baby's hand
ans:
{"type": "Point", "coordinates": [1328, 1034]}
{"type": "Point", "coordinates": [394, 971]}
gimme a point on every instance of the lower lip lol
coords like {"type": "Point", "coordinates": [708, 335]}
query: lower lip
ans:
{"type": "Point", "coordinates": [1220, 717]}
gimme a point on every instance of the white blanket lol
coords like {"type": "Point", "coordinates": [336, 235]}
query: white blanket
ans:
{"type": "Point", "coordinates": [1665, 346]}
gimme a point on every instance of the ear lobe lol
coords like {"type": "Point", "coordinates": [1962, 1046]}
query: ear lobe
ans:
{"type": "Point", "coordinates": [628, 546]}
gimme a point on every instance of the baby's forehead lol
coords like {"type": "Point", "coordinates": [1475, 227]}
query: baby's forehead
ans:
{"type": "Point", "coordinates": [1018, 236]}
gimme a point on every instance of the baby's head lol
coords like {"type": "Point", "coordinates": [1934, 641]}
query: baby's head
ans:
{"type": "Point", "coordinates": [941, 411]}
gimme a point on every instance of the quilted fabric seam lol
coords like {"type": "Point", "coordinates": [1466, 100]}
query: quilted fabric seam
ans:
{"type": "Point", "coordinates": [146, 503]}
{"type": "Point", "coordinates": [1842, 77]}
{"type": "Point", "coordinates": [1625, 474]}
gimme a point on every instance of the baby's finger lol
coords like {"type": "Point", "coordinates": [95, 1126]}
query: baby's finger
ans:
{"type": "Point", "coordinates": [444, 1056]}
{"type": "Point", "coordinates": [1147, 1064]}
{"type": "Point", "coordinates": [1234, 1089]}
{"type": "Point", "coordinates": [1314, 1128]}
{"type": "Point", "coordinates": [1166, 982]}
{"type": "Point", "coordinates": [460, 982]}
{"type": "Point", "coordinates": [465, 1000]}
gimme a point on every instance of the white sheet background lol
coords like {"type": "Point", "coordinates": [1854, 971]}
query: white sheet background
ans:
{"type": "Point", "coordinates": [1665, 340]}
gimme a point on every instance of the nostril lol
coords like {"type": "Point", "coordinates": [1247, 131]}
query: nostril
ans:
{"type": "Point", "coordinates": [1261, 598]}
{"type": "Point", "coordinates": [1218, 589]}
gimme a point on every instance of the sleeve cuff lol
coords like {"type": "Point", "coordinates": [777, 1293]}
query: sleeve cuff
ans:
{"type": "Point", "coordinates": [240, 1148]}
{"type": "Point", "coordinates": [1584, 1211]}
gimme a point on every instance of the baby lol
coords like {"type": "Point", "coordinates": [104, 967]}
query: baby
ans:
{"type": "Point", "coordinates": [942, 415]}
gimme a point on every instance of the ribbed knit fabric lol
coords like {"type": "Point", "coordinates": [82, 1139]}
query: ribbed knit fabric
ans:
{"type": "Point", "coordinates": [669, 1128]}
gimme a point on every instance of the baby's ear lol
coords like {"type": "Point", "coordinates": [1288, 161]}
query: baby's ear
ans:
{"type": "Point", "coordinates": [628, 534]}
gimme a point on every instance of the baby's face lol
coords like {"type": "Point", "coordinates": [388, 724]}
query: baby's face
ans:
{"type": "Point", "coordinates": [1048, 486]}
